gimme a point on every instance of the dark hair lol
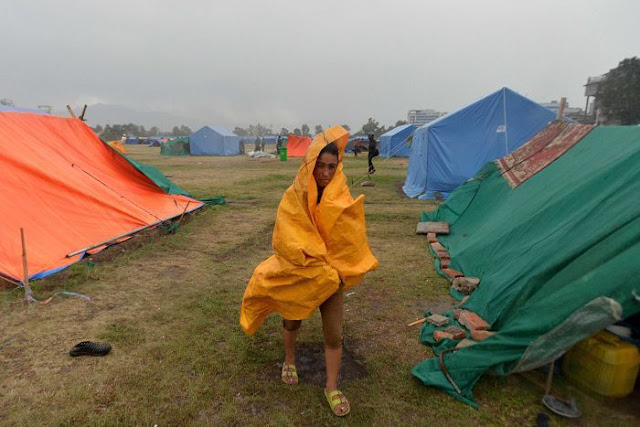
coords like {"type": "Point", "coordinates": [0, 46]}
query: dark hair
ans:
{"type": "Point", "coordinates": [330, 148]}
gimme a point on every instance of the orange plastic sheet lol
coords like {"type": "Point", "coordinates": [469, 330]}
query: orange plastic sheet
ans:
{"type": "Point", "coordinates": [297, 146]}
{"type": "Point", "coordinates": [68, 191]}
{"type": "Point", "coordinates": [316, 246]}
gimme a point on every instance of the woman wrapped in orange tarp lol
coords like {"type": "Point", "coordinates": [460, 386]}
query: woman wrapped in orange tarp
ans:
{"type": "Point", "coordinates": [320, 250]}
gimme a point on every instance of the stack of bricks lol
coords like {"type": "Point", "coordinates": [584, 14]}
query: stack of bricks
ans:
{"type": "Point", "coordinates": [474, 323]}
{"type": "Point", "coordinates": [465, 285]}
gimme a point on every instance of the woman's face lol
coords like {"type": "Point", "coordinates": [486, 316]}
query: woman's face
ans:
{"type": "Point", "coordinates": [326, 166]}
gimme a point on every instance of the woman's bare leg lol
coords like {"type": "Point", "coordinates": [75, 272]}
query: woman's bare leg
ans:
{"type": "Point", "coordinates": [331, 311]}
{"type": "Point", "coordinates": [289, 338]}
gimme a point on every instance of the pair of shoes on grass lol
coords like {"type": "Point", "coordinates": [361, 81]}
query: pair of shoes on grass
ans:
{"type": "Point", "coordinates": [89, 348]}
{"type": "Point", "coordinates": [336, 399]}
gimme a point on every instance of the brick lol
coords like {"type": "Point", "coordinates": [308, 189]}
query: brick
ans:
{"type": "Point", "coordinates": [456, 313]}
{"type": "Point", "coordinates": [465, 343]}
{"type": "Point", "coordinates": [463, 301]}
{"type": "Point", "coordinates": [443, 254]}
{"type": "Point", "coordinates": [432, 227]}
{"type": "Point", "coordinates": [438, 320]}
{"type": "Point", "coordinates": [472, 321]}
{"type": "Point", "coordinates": [481, 335]}
{"type": "Point", "coordinates": [465, 285]}
{"type": "Point", "coordinates": [436, 246]}
{"type": "Point", "coordinates": [441, 335]}
{"type": "Point", "coordinates": [431, 238]}
{"type": "Point", "coordinates": [451, 273]}
{"type": "Point", "coordinates": [456, 332]}
{"type": "Point", "coordinates": [445, 262]}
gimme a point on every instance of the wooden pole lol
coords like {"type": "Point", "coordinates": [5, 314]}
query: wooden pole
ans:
{"type": "Point", "coordinates": [84, 110]}
{"type": "Point", "coordinates": [418, 322]}
{"type": "Point", "coordinates": [563, 102]}
{"type": "Point", "coordinates": [24, 260]}
{"type": "Point", "coordinates": [547, 387]}
{"type": "Point", "coordinates": [71, 111]}
{"type": "Point", "coordinates": [113, 239]}
{"type": "Point", "coordinates": [183, 212]}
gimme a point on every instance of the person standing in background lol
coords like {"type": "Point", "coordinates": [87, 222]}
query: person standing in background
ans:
{"type": "Point", "coordinates": [373, 152]}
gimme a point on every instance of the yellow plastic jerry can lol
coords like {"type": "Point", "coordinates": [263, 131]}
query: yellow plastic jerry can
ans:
{"type": "Point", "coordinates": [604, 364]}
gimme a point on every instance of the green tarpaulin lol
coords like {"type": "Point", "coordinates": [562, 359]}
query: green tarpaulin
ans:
{"type": "Point", "coordinates": [558, 256]}
{"type": "Point", "coordinates": [156, 176]}
{"type": "Point", "coordinates": [175, 147]}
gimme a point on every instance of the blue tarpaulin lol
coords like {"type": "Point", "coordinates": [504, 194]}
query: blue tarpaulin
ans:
{"type": "Point", "coordinates": [450, 150]}
{"type": "Point", "coordinates": [397, 142]}
{"type": "Point", "coordinates": [214, 141]}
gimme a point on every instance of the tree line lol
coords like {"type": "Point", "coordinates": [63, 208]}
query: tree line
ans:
{"type": "Point", "coordinates": [259, 130]}
{"type": "Point", "coordinates": [115, 132]}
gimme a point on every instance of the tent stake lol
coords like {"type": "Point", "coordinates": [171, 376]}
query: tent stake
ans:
{"type": "Point", "coordinates": [71, 111]}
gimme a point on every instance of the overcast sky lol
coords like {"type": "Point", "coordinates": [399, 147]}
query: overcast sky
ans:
{"type": "Point", "coordinates": [288, 62]}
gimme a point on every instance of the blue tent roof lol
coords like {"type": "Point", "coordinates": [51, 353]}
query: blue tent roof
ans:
{"type": "Point", "coordinates": [214, 141]}
{"type": "Point", "coordinates": [397, 142]}
{"type": "Point", "coordinates": [222, 130]}
{"type": "Point", "coordinates": [451, 149]}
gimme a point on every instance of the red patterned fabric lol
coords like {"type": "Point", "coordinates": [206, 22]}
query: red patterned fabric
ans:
{"type": "Point", "coordinates": [540, 151]}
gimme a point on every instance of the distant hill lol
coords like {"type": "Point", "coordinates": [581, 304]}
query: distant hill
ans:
{"type": "Point", "coordinates": [109, 114]}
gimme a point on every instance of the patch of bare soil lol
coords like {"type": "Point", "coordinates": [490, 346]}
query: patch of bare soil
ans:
{"type": "Point", "coordinates": [311, 367]}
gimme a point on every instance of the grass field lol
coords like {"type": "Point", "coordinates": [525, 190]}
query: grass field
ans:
{"type": "Point", "coordinates": [169, 305]}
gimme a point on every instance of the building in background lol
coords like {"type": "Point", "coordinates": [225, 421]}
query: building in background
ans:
{"type": "Point", "coordinates": [421, 117]}
{"type": "Point", "coordinates": [571, 112]}
{"type": "Point", "coordinates": [593, 88]}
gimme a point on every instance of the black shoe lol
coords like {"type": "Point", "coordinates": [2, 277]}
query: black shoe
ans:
{"type": "Point", "coordinates": [88, 348]}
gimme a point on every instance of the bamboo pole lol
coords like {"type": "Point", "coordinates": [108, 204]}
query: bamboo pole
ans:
{"type": "Point", "coordinates": [418, 322]}
{"type": "Point", "coordinates": [24, 259]}
{"type": "Point", "coordinates": [183, 212]}
{"type": "Point", "coordinates": [112, 239]}
{"type": "Point", "coordinates": [84, 110]}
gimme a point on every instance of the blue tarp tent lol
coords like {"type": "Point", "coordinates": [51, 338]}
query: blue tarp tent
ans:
{"type": "Point", "coordinates": [214, 141]}
{"type": "Point", "coordinates": [395, 143]}
{"type": "Point", "coordinates": [448, 151]}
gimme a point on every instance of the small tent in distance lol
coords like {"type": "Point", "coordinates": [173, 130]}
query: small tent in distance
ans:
{"type": "Point", "coordinates": [450, 150]}
{"type": "Point", "coordinates": [214, 141]}
{"type": "Point", "coordinates": [175, 147]}
{"type": "Point", "coordinates": [297, 146]}
{"type": "Point", "coordinates": [397, 142]}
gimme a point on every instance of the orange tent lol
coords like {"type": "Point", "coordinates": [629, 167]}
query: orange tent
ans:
{"type": "Point", "coordinates": [118, 146]}
{"type": "Point", "coordinates": [69, 192]}
{"type": "Point", "coordinates": [297, 146]}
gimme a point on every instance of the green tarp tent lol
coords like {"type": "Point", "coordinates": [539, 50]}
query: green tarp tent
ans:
{"type": "Point", "coordinates": [553, 232]}
{"type": "Point", "coordinates": [175, 147]}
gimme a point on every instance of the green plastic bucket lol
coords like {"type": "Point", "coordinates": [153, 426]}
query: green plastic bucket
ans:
{"type": "Point", "coordinates": [283, 153]}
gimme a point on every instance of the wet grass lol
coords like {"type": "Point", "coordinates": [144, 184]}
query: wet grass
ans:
{"type": "Point", "coordinates": [170, 307]}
